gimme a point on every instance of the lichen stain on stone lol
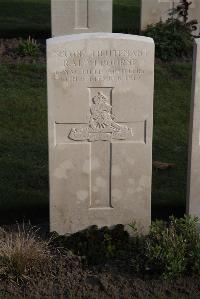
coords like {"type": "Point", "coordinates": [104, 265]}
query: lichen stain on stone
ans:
{"type": "Point", "coordinates": [143, 181]}
{"type": "Point", "coordinates": [130, 161]}
{"type": "Point", "coordinates": [131, 181]}
{"type": "Point", "coordinates": [142, 184]}
{"type": "Point", "coordinates": [95, 164]}
{"type": "Point", "coordinates": [86, 166]}
{"type": "Point", "coordinates": [97, 202]}
{"type": "Point", "coordinates": [65, 85]}
{"type": "Point", "coordinates": [130, 191]}
{"type": "Point", "coordinates": [82, 195]}
{"type": "Point", "coordinates": [95, 189]}
{"type": "Point", "coordinates": [63, 168]}
{"type": "Point", "coordinates": [116, 170]}
{"type": "Point", "coordinates": [117, 193]}
{"type": "Point", "coordinates": [100, 182]}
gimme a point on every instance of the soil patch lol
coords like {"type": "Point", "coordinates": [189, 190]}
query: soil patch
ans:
{"type": "Point", "coordinates": [9, 53]}
{"type": "Point", "coordinates": [67, 275]}
{"type": "Point", "coordinates": [71, 278]}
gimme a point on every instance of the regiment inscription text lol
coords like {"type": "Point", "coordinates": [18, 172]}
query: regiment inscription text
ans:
{"type": "Point", "coordinates": [100, 65]}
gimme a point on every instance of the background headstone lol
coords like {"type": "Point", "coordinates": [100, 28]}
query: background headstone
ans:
{"type": "Point", "coordinates": [193, 196]}
{"type": "Point", "coordinates": [152, 11]}
{"type": "Point", "coordinates": [80, 16]}
{"type": "Point", "coordinates": [100, 106]}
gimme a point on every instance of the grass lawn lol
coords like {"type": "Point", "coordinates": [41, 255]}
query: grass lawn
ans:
{"type": "Point", "coordinates": [171, 124]}
{"type": "Point", "coordinates": [32, 17]}
{"type": "Point", "coordinates": [126, 16]}
{"type": "Point", "coordinates": [25, 17]}
{"type": "Point", "coordinates": [23, 139]}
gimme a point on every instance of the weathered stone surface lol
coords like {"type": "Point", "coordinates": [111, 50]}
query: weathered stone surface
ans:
{"type": "Point", "coordinates": [100, 106]}
{"type": "Point", "coordinates": [193, 196]}
{"type": "Point", "coordinates": [152, 11]}
{"type": "Point", "coordinates": [80, 16]}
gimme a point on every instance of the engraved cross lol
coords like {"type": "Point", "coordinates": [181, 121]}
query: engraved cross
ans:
{"type": "Point", "coordinates": [101, 133]}
{"type": "Point", "coordinates": [81, 14]}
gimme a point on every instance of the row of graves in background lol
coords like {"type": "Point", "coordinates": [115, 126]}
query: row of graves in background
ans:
{"type": "Point", "coordinates": [83, 16]}
{"type": "Point", "coordinates": [100, 115]}
{"type": "Point", "coordinates": [153, 11]}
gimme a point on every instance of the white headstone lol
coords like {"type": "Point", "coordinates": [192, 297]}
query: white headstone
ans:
{"type": "Point", "coordinates": [80, 16]}
{"type": "Point", "coordinates": [193, 196]}
{"type": "Point", "coordinates": [100, 106]}
{"type": "Point", "coordinates": [152, 11]}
